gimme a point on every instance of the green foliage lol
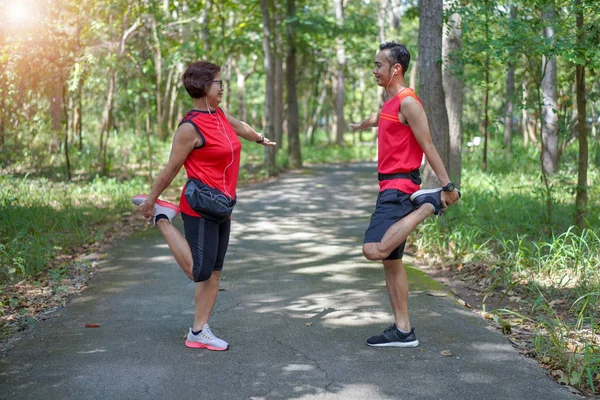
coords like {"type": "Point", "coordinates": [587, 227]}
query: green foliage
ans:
{"type": "Point", "coordinates": [40, 219]}
{"type": "Point", "coordinates": [500, 222]}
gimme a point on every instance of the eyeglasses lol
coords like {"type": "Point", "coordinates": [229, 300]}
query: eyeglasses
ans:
{"type": "Point", "coordinates": [219, 82]}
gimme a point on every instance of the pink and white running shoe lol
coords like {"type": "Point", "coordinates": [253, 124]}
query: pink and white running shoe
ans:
{"type": "Point", "coordinates": [205, 340]}
{"type": "Point", "coordinates": [160, 207]}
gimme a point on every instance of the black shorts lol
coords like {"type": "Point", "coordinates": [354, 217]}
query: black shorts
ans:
{"type": "Point", "coordinates": [392, 205]}
{"type": "Point", "coordinates": [208, 241]}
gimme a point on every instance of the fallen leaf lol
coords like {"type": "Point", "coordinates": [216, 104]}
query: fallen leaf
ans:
{"type": "Point", "coordinates": [92, 325]}
{"type": "Point", "coordinates": [308, 324]}
{"type": "Point", "coordinates": [437, 294]}
{"type": "Point", "coordinates": [464, 303]}
{"type": "Point", "coordinates": [446, 353]}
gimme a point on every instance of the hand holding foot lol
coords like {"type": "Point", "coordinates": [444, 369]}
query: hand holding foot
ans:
{"type": "Point", "coordinates": [438, 198]}
{"type": "Point", "coordinates": [449, 198]}
{"type": "Point", "coordinates": [154, 209]}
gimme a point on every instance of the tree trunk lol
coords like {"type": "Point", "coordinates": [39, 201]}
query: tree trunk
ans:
{"type": "Point", "coordinates": [549, 101]}
{"type": "Point", "coordinates": [278, 106]}
{"type": "Point", "coordinates": [414, 71]}
{"type": "Point", "coordinates": [160, 131]}
{"type": "Point", "coordinates": [381, 36]}
{"type": "Point", "coordinates": [486, 120]}
{"type": "Point", "coordinates": [453, 89]}
{"type": "Point", "coordinates": [395, 5]}
{"type": "Point", "coordinates": [317, 113]}
{"type": "Point", "coordinates": [294, 154]}
{"type": "Point", "coordinates": [431, 91]}
{"type": "Point", "coordinates": [581, 197]}
{"type": "Point", "coordinates": [203, 22]}
{"type": "Point", "coordinates": [340, 92]}
{"type": "Point", "coordinates": [270, 86]}
{"type": "Point", "coordinates": [149, 143]}
{"type": "Point", "coordinates": [65, 118]}
{"type": "Point", "coordinates": [510, 90]}
{"type": "Point", "coordinates": [107, 121]}
{"type": "Point", "coordinates": [508, 109]}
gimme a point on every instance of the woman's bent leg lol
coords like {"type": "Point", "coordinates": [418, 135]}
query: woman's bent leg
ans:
{"type": "Point", "coordinates": [178, 245]}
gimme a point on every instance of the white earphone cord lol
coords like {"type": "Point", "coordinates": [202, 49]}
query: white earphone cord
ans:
{"type": "Point", "coordinates": [216, 116]}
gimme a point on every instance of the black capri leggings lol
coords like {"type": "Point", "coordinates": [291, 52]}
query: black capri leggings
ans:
{"type": "Point", "coordinates": [208, 241]}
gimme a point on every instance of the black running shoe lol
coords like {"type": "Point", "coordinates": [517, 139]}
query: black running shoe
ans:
{"type": "Point", "coordinates": [431, 196]}
{"type": "Point", "coordinates": [392, 337]}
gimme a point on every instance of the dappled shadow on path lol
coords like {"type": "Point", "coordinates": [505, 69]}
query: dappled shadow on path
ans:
{"type": "Point", "coordinates": [297, 304]}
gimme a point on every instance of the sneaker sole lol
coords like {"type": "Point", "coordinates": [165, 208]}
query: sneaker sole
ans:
{"type": "Point", "coordinates": [395, 344]}
{"type": "Point", "coordinates": [196, 345]}
{"type": "Point", "coordinates": [424, 191]}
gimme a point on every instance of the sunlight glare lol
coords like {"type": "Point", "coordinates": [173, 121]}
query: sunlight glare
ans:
{"type": "Point", "coordinates": [16, 13]}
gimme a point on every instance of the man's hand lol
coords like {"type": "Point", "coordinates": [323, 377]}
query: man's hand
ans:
{"type": "Point", "coordinates": [449, 198]}
{"type": "Point", "coordinates": [355, 127]}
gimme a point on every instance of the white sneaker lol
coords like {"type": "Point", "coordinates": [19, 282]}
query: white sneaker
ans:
{"type": "Point", "coordinates": [205, 340]}
{"type": "Point", "coordinates": [160, 207]}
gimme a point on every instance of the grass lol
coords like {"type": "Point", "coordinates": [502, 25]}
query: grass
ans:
{"type": "Point", "coordinates": [40, 219]}
{"type": "Point", "coordinates": [551, 266]}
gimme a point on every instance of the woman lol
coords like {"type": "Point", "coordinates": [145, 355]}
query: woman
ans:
{"type": "Point", "coordinates": [206, 144]}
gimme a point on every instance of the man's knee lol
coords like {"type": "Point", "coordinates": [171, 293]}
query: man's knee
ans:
{"type": "Point", "coordinates": [371, 252]}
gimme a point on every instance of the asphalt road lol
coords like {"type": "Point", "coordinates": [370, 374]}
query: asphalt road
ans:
{"type": "Point", "coordinates": [298, 303]}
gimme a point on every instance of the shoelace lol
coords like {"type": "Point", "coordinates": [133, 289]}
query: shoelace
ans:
{"type": "Point", "coordinates": [390, 329]}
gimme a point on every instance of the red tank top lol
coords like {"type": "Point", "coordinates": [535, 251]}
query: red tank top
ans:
{"type": "Point", "coordinates": [217, 162]}
{"type": "Point", "coordinates": [398, 149]}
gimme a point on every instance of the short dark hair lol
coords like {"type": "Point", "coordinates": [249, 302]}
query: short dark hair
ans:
{"type": "Point", "coordinates": [198, 77]}
{"type": "Point", "coordinates": [397, 54]}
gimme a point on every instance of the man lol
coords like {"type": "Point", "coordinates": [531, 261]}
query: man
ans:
{"type": "Point", "coordinates": [403, 138]}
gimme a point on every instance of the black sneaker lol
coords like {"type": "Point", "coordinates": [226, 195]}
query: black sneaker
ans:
{"type": "Point", "coordinates": [431, 196]}
{"type": "Point", "coordinates": [392, 337]}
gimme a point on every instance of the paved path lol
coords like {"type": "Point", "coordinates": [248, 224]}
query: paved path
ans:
{"type": "Point", "coordinates": [298, 304]}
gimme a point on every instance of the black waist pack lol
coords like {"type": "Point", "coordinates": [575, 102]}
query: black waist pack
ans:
{"type": "Point", "coordinates": [414, 176]}
{"type": "Point", "coordinates": [208, 201]}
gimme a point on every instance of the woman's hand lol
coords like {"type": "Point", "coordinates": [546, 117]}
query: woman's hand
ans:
{"type": "Point", "coordinates": [266, 142]}
{"type": "Point", "coordinates": [147, 209]}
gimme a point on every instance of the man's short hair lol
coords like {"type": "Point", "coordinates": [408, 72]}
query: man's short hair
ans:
{"type": "Point", "coordinates": [198, 77]}
{"type": "Point", "coordinates": [397, 54]}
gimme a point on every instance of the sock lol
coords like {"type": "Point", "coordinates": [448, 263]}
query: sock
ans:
{"type": "Point", "coordinates": [196, 332]}
{"type": "Point", "coordinates": [402, 332]}
{"type": "Point", "coordinates": [159, 217]}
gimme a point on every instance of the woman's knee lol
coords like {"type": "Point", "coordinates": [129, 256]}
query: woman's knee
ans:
{"type": "Point", "coordinates": [201, 273]}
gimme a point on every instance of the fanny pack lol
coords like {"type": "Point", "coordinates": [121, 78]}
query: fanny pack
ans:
{"type": "Point", "coordinates": [208, 201]}
{"type": "Point", "coordinates": [414, 176]}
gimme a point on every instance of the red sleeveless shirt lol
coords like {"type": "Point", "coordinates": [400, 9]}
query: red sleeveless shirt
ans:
{"type": "Point", "coordinates": [217, 162]}
{"type": "Point", "coordinates": [398, 149]}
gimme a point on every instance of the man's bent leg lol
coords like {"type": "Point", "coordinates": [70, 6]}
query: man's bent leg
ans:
{"type": "Point", "coordinates": [397, 286]}
{"type": "Point", "coordinates": [396, 234]}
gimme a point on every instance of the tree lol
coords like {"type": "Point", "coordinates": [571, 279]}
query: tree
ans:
{"type": "Point", "coordinates": [431, 91]}
{"type": "Point", "coordinates": [510, 90]}
{"type": "Point", "coordinates": [270, 86]}
{"type": "Point", "coordinates": [582, 165]}
{"type": "Point", "coordinates": [294, 154]}
{"type": "Point", "coordinates": [453, 90]}
{"type": "Point", "coordinates": [549, 98]}
{"type": "Point", "coordinates": [339, 88]}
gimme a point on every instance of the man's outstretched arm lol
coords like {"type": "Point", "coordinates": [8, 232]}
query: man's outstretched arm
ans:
{"type": "Point", "coordinates": [370, 122]}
